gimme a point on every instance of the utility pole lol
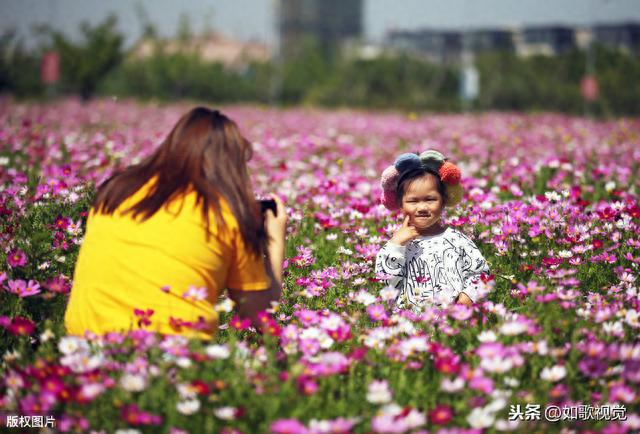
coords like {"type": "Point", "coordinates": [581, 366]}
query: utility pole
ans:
{"type": "Point", "coordinates": [276, 78]}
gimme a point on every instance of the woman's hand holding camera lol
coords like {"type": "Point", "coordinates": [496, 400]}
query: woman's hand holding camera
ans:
{"type": "Point", "coordinates": [275, 225]}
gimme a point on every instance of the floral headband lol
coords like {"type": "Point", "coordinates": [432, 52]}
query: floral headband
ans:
{"type": "Point", "coordinates": [448, 172]}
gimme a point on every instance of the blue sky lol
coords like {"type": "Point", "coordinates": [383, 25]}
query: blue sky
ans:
{"type": "Point", "coordinates": [246, 19]}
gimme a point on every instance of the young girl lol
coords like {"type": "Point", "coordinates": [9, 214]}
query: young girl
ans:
{"type": "Point", "coordinates": [432, 265]}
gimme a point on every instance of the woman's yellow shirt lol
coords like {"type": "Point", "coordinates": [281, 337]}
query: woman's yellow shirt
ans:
{"type": "Point", "coordinates": [162, 264]}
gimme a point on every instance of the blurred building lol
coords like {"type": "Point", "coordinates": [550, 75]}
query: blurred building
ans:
{"type": "Point", "coordinates": [625, 37]}
{"type": "Point", "coordinates": [480, 41]}
{"type": "Point", "coordinates": [213, 47]}
{"type": "Point", "coordinates": [544, 40]}
{"type": "Point", "coordinates": [450, 46]}
{"type": "Point", "coordinates": [438, 46]}
{"type": "Point", "coordinates": [330, 23]}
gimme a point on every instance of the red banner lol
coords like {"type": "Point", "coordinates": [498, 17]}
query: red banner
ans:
{"type": "Point", "coordinates": [589, 88]}
{"type": "Point", "coordinates": [50, 68]}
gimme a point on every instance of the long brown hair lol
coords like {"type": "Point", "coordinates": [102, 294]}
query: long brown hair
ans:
{"type": "Point", "coordinates": [204, 150]}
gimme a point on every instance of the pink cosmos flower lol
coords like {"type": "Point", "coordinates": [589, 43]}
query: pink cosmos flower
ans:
{"type": "Point", "coordinates": [441, 415]}
{"type": "Point", "coordinates": [482, 384]}
{"type": "Point", "coordinates": [62, 222]}
{"type": "Point", "coordinates": [144, 317]}
{"type": "Point", "coordinates": [339, 425]}
{"type": "Point", "coordinates": [288, 426]}
{"type": "Point", "coordinates": [239, 323]}
{"type": "Point", "coordinates": [307, 317]}
{"type": "Point", "coordinates": [460, 312]}
{"type": "Point", "coordinates": [16, 286]}
{"type": "Point", "coordinates": [16, 258]}
{"type": "Point", "coordinates": [377, 312]}
{"type": "Point", "coordinates": [20, 326]}
{"type": "Point", "coordinates": [309, 346]}
{"type": "Point", "coordinates": [58, 284]}
{"type": "Point", "coordinates": [133, 415]}
{"type": "Point", "coordinates": [24, 289]}
{"type": "Point", "coordinates": [447, 365]}
{"type": "Point", "coordinates": [623, 393]}
{"type": "Point", "coordinates": [592, 367]}
{"type": "Point", "coordinates": [307, 385]}
{"type": "Point", "coordinates": [195, 294]}
{"type": "Point", "coordinates": [52, 384]}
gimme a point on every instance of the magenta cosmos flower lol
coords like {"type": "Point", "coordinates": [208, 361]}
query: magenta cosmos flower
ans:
{"type": "Point", "coordinates": [288, 426]}
{"type": "Point", "coordinates": [16, 258]}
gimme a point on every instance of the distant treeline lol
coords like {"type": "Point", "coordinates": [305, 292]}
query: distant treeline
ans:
{"type": "Point", "coordinates": [98, 65]}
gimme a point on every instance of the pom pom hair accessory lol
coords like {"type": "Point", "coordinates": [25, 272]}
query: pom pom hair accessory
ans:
{"type": "Point", "coordinates": [449, 174]}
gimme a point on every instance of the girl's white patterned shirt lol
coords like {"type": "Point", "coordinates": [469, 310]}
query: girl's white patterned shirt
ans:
{"type": "Point", "coordinates": [432, 270]}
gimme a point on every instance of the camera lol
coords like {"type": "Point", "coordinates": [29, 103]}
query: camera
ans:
{"type": "Point", "coordinates": [266, 204]}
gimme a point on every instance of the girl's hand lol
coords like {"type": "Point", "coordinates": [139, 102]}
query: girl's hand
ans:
{"type": "Point", "coordinates": [406, 233]}
{"type": "Point", "coordinates": [464, 299]}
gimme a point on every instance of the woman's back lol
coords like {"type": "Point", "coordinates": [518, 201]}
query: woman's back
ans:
{"type": "Point", "coordinates": [165, 236]}
{"type": "Point", "coordinates": [164, 263]}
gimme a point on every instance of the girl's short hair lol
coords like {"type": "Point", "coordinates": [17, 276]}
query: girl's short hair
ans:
{"type": "Point", "coordinates": [413, 174]}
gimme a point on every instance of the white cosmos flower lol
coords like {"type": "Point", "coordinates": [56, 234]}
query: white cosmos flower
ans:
{"type": "Point", "coordinates": [496, 405]}
{"type": "Point", "coordinates": [452, 386]}
{"type": "Point", "coordinates": [91, 390]}
{"type": "Point", "coordinates": [378, 392]}
{"type": "Point", "coordinates": [183, 362]}
{"type": "Point", "coordinates": [310, 333]}
{"type": "Point", "coordinates": [511, 382]}
{"type": "Point", "coordinates": [497, 364]}
{"type": "Point", "coordinates": [46, 335]}
{"type": "Point", "coordinates": [405, 326]}
{"type": "Point", "coordinates": [388, 293]}
{"type": "Point", "coordinates": [71, 344]}
{"type": "Point", "coordinates": [415, 419]}
{"type": "Point", "coordinates": [226, 305]}
{"type": "Point", "coordinates": [133, 382]}
{"type": "Point", "coordinates": [343, 250]}
{"type": "Point", "coordinates": [217, 351]}
{"type": "Point", "coordinates": [186, 391]}
{"type": "Point", "coordinates": [552, 196]}
{"type": "Point", "coordinates": [325, 341]}
{"type": "Point", "coordinates": [632, 318]}
{"type": "Point", "coordinates": [225, 413]}
{"type": "Point", "coordinates": [481, 418]}
{"type": "Point", "coordinates": [415, 344]}
{"type": "Point", "coordinates": [366, 298]}
{"type": "Point", "coordinates": [487, 336]}
{"type": "Point", "coordinates": [506, 425]}
{"type": "Point", "coordinates": [613, 328]}
{"type": "Point", "coordinates": [331, 323]}
{"type": "Point", "coordinates": [188, 407]}
{"type": "Point", "coordinates": [555, 373]}
{"type": "Point", "coordinates": [512, 328]}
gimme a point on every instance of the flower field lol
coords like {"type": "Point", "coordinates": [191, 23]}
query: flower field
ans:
{"type": "Point", "coordinates": [551, 201]}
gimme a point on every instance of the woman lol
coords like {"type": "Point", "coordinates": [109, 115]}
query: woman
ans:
{"type": "Point", "coordinates": [166, 236]}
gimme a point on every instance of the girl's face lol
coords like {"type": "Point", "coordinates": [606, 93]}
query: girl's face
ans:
{"type": "Point", "coordinates": [423, 204]}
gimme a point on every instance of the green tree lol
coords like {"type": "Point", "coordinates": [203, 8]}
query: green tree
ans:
{"type": "Point", "coordinates": [19, 68]}
{"type": "Point", "coordinates": [85, 64]}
